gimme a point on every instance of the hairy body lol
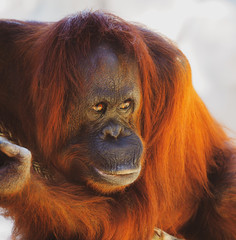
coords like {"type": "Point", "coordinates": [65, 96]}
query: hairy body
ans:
{"type": "Point", "coordinates": [103, 136]}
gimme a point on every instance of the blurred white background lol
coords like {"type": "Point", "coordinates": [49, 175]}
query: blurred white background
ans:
{"type": "Point", "coordinates": [205, 30]}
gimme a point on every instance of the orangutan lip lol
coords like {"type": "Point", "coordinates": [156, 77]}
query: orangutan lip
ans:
{"type": "Point", "coordinates": [119, 178]}
{"type": "Point", "coordinates": [125, 173]}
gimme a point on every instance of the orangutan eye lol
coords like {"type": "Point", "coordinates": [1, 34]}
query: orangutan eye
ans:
{"type": "Point", "coordinates": [100, 107]}
{"type": "Point", "coordinates": [126, 104]}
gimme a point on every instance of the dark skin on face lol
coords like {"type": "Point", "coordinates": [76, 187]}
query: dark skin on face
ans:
{"type": "Point", "coordinates": [110, 103]}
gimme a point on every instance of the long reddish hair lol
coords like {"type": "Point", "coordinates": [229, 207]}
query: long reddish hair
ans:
{"type": "Point", "coordinates": [180, 136]}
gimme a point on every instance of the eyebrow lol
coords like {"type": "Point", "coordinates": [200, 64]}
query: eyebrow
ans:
{"type": "Point", "coordinates": [105, 94]}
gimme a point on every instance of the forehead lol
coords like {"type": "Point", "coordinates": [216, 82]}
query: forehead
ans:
{"type": "Point", "coordinates": [107, 72]}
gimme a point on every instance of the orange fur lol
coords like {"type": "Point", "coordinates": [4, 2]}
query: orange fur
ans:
{"type": "Point", "coordinates": [184, 144]}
